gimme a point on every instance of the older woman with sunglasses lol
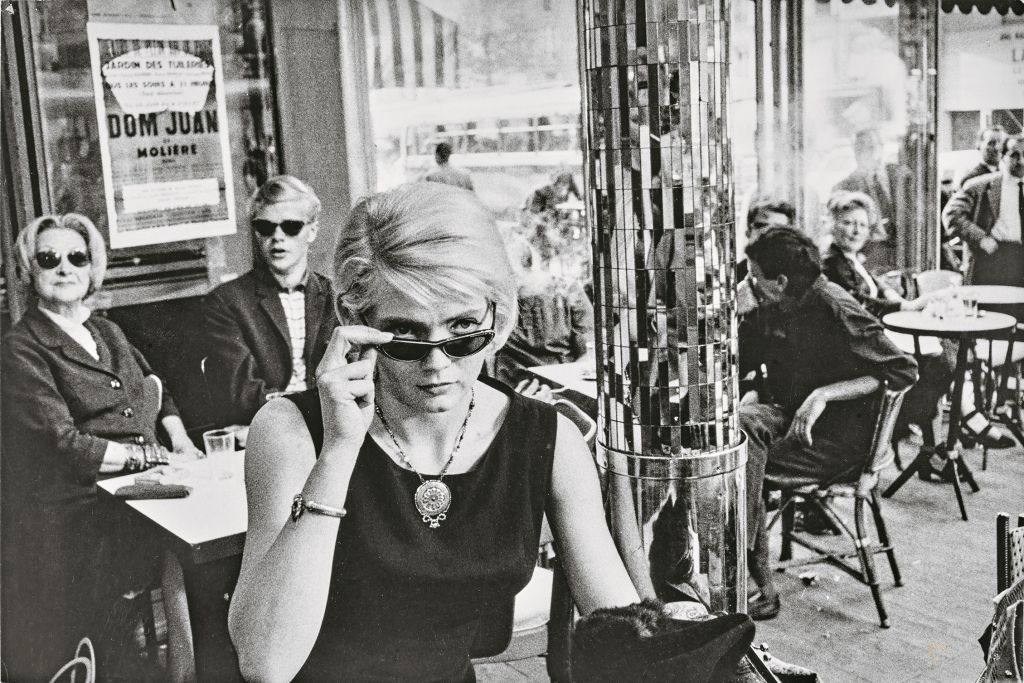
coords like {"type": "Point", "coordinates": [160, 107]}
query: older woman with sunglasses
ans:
{"type": "Point", "coordinates": [79, 402]}
{"type": "Point", "coordinates": [395, 510]}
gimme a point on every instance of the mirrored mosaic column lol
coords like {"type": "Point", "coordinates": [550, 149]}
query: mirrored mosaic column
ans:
{"type": "Point", "coordinates": [660, 201]}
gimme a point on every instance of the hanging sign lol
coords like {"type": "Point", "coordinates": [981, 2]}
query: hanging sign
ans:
{"type": "Point", "coordinates": [163, 132]}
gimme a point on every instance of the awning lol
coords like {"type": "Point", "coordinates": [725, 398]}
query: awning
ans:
{"type": "Point", "coordinates": [965, 6]}
{"type": "Point", "coordinates": [985, 6]}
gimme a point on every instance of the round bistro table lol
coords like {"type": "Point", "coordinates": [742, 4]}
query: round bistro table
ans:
{"type": "Point", "coordinates": [965, 329]}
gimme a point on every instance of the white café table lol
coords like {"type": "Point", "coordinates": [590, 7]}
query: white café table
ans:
{"type": "Point", "coordinates": [578, 377]}
{"type": "Point", "coordinates": [210, 523]}
{"type": "Point", "coordinates": [579, 380]}
{"type": "Point", "coordinates": [206, 530]}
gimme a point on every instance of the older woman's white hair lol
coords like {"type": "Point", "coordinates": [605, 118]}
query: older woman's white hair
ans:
{"type": "Point", "coordinates": [25, 246]}
{"type": "Point", "coordinates": [432, 242]}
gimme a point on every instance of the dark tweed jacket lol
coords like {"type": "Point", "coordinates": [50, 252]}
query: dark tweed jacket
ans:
{"type": "Point", "coordinates": [246, 343]}
{"type": "Point", "coordinates": [61, 406]}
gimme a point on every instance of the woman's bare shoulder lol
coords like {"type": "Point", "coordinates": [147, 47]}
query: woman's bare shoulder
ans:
{"type": "Point", "coordinates": [279, 439]}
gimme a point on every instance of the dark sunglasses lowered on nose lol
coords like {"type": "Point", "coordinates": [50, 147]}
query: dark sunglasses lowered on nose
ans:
{"type": "Point", "coordinates": [459, 346]}
{"type": "Point", "coordinates": [48, 260]}
{"type": "Point", "coordinates": [265, 228]}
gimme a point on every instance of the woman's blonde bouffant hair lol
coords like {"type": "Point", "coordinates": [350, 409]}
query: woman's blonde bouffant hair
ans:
{"type": "Point", "coordinates": [430, 241]}
{"type": "Point", "coordinates": [25, 246]}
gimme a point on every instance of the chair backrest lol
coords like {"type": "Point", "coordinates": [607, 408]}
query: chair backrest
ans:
{"type": "Point", "coordinates": [881, 453]}
{"type": "Point", "coordinates": [1009, 551]}
{"type": "Point", "coordinates": [586, 424]}
{"type": "Point", "coordinates": [84, 662]}
{"type": "Point", "coordinates": [929, 281]}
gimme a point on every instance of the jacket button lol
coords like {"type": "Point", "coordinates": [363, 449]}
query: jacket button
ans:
{"type": "Point", "coordinates": [115, 384]}
{"type": "Point", "coordinates": [127, 412]}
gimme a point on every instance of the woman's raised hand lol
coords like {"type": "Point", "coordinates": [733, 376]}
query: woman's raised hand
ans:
{"type": "Point", "coordinates": [345, 381]}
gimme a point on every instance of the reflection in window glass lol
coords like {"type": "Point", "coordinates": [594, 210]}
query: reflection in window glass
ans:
{"type": "Point", "coordinates": [68, 112]}
{"type": "Point", "coordinates": [498, 82]}
{"type": "Point", "coordinates": [856, 94]}
{"type": "Point", "coordinates": [965, 126]}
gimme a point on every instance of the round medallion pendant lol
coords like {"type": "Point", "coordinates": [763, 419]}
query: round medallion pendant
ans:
{"type": "Point", "coordinates": [433, 498]}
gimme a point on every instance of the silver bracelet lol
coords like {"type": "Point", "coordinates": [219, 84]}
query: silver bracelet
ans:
{"type": "Point", "coordinates": [300, 505]}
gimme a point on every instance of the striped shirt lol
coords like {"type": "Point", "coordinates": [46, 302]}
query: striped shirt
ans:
{"type": "Point", "coordinates": [294, 303]}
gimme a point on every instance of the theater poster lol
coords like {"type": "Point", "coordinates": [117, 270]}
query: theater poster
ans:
{"type": "Point", "coordinates": [163, 132]}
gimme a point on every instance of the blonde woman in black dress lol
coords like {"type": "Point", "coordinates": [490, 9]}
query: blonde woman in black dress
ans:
{"type": "Point", "coordinates": [396, 510]}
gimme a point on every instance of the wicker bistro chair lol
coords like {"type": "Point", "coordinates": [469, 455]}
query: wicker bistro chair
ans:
{"type": "Point", "coordinates": [1003, 639]}
{"type": "Point", "coordinates": [928, 281]}
{"type": "Point", "coordinates": [585, 423]}
{"type": "Point", "coordinates": [863, 488]}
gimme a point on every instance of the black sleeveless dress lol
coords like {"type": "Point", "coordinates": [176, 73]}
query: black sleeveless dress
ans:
{"type": "Point", "coordinates": [411, 603]}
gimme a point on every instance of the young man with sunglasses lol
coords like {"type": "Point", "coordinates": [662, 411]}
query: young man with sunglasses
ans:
{"type": "Point", "coordinates": [265, 332]}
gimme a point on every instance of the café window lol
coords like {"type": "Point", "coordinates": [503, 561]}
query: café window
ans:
{"type": "Point", "coordinates": [964, 127]}
{"type": "Point", "coordinates": [71, 151]}
{"type": "Point", "coordinates": [501, 88]}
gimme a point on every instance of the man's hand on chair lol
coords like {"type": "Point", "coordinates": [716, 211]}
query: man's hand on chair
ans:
{"type": "Point", "coordinates": [534, 389]}
{"type": "Point", "coordinates": [806, 415]}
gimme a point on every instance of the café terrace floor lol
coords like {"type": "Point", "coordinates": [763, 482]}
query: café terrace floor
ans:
{"type": "Point", "coordinates": [948, 568]}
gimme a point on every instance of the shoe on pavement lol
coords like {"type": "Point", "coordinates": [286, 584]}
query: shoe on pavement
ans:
{"type": "Point", "coordinates": [976, 428]}
{"type": "Point", "coordinates": [761, 608]}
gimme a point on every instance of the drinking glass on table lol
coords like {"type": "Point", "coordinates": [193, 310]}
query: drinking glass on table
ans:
{"type": "Point", "coordinates": [970, 302]}
{"type": "Point", "coordinates": [220, 447]}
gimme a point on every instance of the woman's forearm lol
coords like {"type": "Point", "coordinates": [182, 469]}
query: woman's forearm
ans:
{"type": "Point", "coordinates": [279, 603]}
{"type": "Point", "coordinates": [276, 615]}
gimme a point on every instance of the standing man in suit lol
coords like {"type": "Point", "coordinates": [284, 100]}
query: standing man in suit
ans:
{"type": "Point", "coordinates": [987, 213]}
{"type": "Point", "coordinates": [990, 144]}
{"type": "Point", "coordinates": [890, 187]}
{"type": "Point", "coordinates": [266, 331]}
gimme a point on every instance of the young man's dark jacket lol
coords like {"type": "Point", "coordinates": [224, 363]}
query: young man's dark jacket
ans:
{"type": "Point", "coordinates": [246, 341]}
